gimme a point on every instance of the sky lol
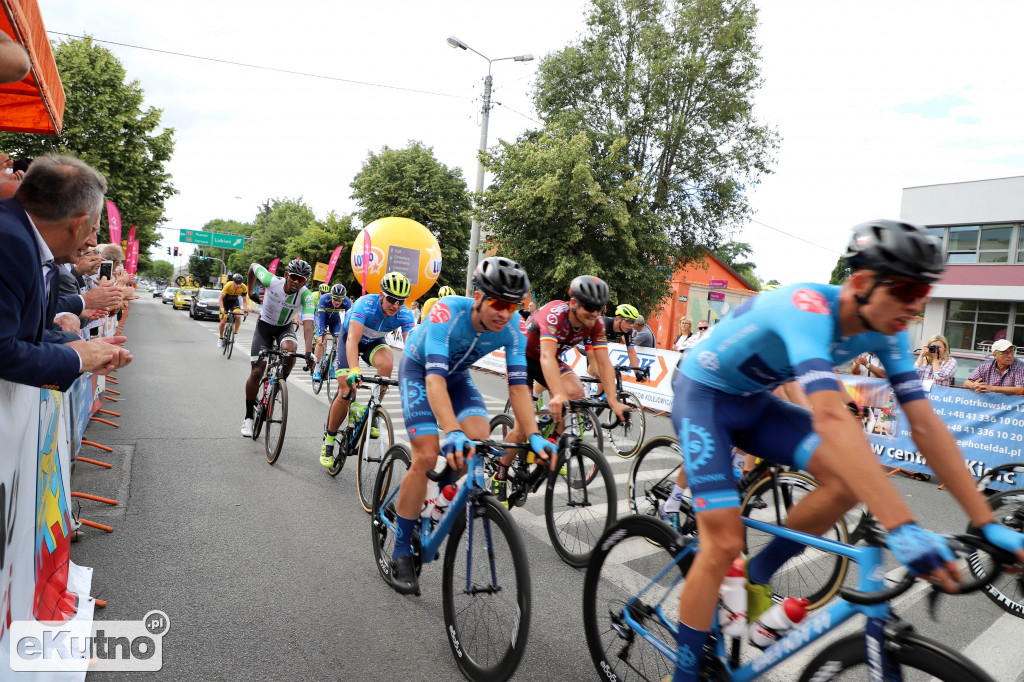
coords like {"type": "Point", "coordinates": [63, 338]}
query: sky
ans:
{"type": "Point", "coordinates": [868, 98]}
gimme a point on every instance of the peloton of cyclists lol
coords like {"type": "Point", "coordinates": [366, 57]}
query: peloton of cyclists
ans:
{"type": "Point", "coordinates": [329, 310]}
{"type": "Point", "coordinates": [362, 336]}
{"type": "Point", "coordinates": [438, 392]}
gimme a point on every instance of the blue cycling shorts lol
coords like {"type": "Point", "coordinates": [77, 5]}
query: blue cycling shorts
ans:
{"type": "Point", "coordinates": [324, 320]}
{"type": "Point", "coordinates": [366, 352]}
{"type": "Point", "coordinates": [710, 423]}
{"type": "Point", "coordinates": [419, 418]}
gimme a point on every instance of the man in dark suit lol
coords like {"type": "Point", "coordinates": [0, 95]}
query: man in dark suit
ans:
{"type": "Point", "coordinates": [55, 210]}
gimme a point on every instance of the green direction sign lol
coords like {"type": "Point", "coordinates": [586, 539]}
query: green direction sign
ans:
{"type": "Point", "coordinates": [196, 237]}
{"type": "Point", "coordinates": [228, 241]}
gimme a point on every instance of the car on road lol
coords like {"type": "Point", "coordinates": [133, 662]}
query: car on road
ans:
{"type": "Point", "coordinates": [158, 291]}
{"type": "Point", "coordinates": [205, 305]}
{"type": "Point", "coordinates": [183, 297]}
{"type": "Point", "coordinates": [168, 295]}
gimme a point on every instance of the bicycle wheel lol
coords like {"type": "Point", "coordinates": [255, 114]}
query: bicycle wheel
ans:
{"type": "Point", "coordinates": [257, 415]}
{"type": "Point", "coordinates": [813, 574]}
{"type": "Point", "coordinates": [276, 420]}
{"type": "Point", "coordinates": [1006, 590]}
{"type": "Point", "coordinates": [371, 454]}
{"type": "Point", "coordinates": [918, 657]}
{"type": "Point", "coordinates": [652, 475]}
{"type": "Point", "coordinates": [627, 437]}
{"type": "Point", "coordinates": [486, 592]}
{"type": "Point", "coordinates": [330, 380]}
{"type": "Point", "coordinates": [584, 424]}
{"type": "Point", "coordinates": [628, 558]}
{"type": "Point", "coordinates": [389, 478]}
{"type": "Point", "coordinates": [579, 504]}
{"type": "Point", "coordinates": [227, 338]}
{"type": "Point", "coordinates": [318, 383]}
{"type": "Point", "coordinates": [229, 345]}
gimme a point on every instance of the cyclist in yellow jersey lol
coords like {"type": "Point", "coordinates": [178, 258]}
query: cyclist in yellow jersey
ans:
{"type": "Point", "coordinates": [233, 292]}
{"type": "Point", "coordinates": [442, 292]}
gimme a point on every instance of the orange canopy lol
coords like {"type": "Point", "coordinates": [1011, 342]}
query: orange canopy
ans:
{"type": "Point", "coordinates": [36, 104]}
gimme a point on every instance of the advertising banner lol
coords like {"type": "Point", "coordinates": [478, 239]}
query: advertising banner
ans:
{"type": "Point", "coordinates": [320, 272]}
{"type": "Point", "coordinates": [113, 222]}
{"type": "Point", "coordinates": [333, 261]}
{"type": "Point", "coordinates": [273, 266]}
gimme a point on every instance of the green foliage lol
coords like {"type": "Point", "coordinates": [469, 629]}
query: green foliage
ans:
{"type": "Point", "coordinates": [840, 272]}
{"type": "Point", "coordinates": [278, 222]}
{"type": "Point", "coordinates": [412, 183]}
{"type": "Point", "coordinates": [105, 126]}
{"type": "Point", "coordinates": [734, 254]}
{"type": "Point", "coordinates": [202, 269]}
{"type": "Point", "coordinates": [560, 208]}
{"type": "Point", "coordinates": [675, 80]}
{"type": "Point", "coordinates": [158, 269]}
{"type": "Point", "coordinates": [317, 244]}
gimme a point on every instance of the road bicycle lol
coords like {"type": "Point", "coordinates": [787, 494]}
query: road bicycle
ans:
{"type": "Point", "coordinates": [625, 437]}
{"type": "Point", "coordinates": [580, 421]}
{"type": "Point", "coordinates": [767, 493]}
{"type": "Point", "coordinates": [272, 401]}
{"type": "Point", "coordinates": [229, 334]}
{"type": "Point", "coordinates": [357, 440]}
{"type": "Point", "coordinates": [580, 495]}
{"type": "Point", "coordinates": [485, 575]}
{"type": "Point", "coordinates": [630, 611]}
{"type": "Point", "coordinates": [1006, 590]}
{"type": "Point", "coordinates": [327, 367]}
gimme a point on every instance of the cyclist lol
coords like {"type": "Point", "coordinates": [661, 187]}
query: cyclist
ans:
{"type": "Point", "coordinates": [802, 331]}
{"type": "Point", "coordinates": [557, 326]}
{"type": "Point", "coordinates": [282, 298]}
{"type": "Point", "coordinates": [362, 336]}
{"type": "Point", "coordinates": [619, 329]}
{"type": "Point", "coordinates": [329, 311]}
{"type": "Point", "coordinates": [441, 293]}
{"type": "Point", "coordinates": [438, 390]}
{"type": "Point", "coordinates": [230, 295]}
{"type": "Point", "coordinates": [325, 288]}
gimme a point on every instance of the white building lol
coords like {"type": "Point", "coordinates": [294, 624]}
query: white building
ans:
{"type": "Point", "coordinates": [980, 298]}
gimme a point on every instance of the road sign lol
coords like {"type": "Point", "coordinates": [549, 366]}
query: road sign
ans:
{"type": "Point", "coordinates": [718, 283]}
{"type": "Point", "coordinates": [196, 237]}
{"type": "Point", "coordinates": [228, 241]}
{"type": "Point", "coordinates": [716, 296]}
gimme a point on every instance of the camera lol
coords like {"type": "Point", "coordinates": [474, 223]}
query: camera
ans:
{"type": "Point", "coordinates": [933, 348]}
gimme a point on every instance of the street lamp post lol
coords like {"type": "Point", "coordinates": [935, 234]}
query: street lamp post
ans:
{"type": "Point", "coordinates": [474, 235]}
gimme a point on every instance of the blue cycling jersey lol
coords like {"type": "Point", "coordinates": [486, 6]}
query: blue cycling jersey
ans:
{"type": "Point", "coordinates": [326, 305]}
{"type": "Point", "coordinates": [793, 333]}
{"type": "Point", "coordinates": [367, 311]}
{"type": "Point", "coordinates": [446, 342]}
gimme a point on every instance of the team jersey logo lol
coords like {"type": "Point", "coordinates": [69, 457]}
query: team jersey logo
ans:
{"type": "Point", "coordinates": [522, 324]}
{"type": "Point", "coordinates": [439, 313]}
{"type": "Point", "coordinates": [811, 301]}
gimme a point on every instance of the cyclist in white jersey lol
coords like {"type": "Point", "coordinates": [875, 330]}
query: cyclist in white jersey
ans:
{"type": "Point", "coordinates": [282, 298]}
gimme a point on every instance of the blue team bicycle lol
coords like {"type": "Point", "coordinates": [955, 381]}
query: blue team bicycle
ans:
{"type": "Point", "coordinates": [486, 575]}
{"type": "Point", "coordinates": [631, 597]}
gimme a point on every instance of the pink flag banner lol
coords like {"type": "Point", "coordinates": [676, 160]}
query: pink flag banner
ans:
{"type": "Point", "coordinates": [113, 222]}
{"type": "Point", "coordinates": [131, 234]}
{"type": "Point", "coordinates": [334, 261]}
{"type": "Point", "coordinates": [273, 266]}
{"type": "Point", "coordinates": [366, 257]}
{"type": "Point", "coordinates": [131, 259]}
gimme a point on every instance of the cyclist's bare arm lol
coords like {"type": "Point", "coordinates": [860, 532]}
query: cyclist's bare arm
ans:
{"type": "Point", "coordinates": [607, 375]}
{"type": "Point", "coordinates": [355, 332]}
{"type": "Point", "coordinates": [444, 413]}
{"type": "Point", "coordinates": [552, 377]}
{"type": "Point", "coordinates": [633, 360]}
{"type": "Point", "coordinates": [307, 329]}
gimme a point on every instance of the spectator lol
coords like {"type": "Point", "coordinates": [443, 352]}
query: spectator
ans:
{"type": "Point", "coordinates": [55, 210]}
{"type": "Point", "coordinates": [644, 336]}
{"type": "Point", "coordinates": [866, 364]}
{"type": "Point", "coordinates": [1002, 374]}
{"type": "Point", "coordinates": [414, 306]}
{"type": "Point", "coordinates": [687, 336]}
{"type": "Point", "coordinates": [936, 365]}
{"type": "Point", "coordinates": [528, 310]}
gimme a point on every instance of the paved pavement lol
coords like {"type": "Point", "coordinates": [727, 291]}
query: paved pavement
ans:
{"type": "Point", "coordinates": [266, 572]}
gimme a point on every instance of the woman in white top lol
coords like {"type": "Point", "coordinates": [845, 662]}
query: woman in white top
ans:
{"type": "Point", "coordinates": [935, 363]}
{"type": "Point", "coordinates": [687, 337]}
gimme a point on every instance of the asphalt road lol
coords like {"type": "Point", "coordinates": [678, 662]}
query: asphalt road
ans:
{"type": "Point", "coordinates": [266, 572]}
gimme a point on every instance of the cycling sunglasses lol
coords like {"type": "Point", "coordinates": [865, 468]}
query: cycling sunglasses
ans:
{"type": "Point", "coordinates": [394, 301]}
{"type": "Point", "coordinates": [906, 292]}
{"type": "Point", "coordinates": [337, 299]}
{"type": "Point", "coordinates": [501, 305]}
{"type": "Point", "coordinates": [296, 278]}
{"type": "Point", "coordinates": [592, 307]}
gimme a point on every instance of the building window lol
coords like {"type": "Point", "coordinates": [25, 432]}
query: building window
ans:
{"type": "Point", "coordinates": [979, 244]}
{"type": "Point", "coordinates": [970, 324]}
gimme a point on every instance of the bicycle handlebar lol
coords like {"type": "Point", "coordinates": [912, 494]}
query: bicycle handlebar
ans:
{"type": "Point", "coordinates": [595, 404]}
{"type": "Point", "coordinates": [482, 447]}
{"type": "Point", "coordinates": [380, 381]}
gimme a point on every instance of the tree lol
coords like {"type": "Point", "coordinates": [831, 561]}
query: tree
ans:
{"type": "Point", "coordinates": [734, 254]}
{"type": "Point", "coordinates": [158, 269]}
{"type": "Point", "coordinates": [412, 183]}
{"type": "Point", "coordinates": [202, 269]}
{"type": "Point", "coordinates": [278, 222]}
{"type": "Point", "coordinates": [316, 244]}
{"type": "Point", "coordinates": [559, 208]}
{"type": "Point", "coordinates": [840, 272]}
{"type": "Point", "coordinates": [105, 126]}
{"type": "Point", "coordinates": [675, 80]}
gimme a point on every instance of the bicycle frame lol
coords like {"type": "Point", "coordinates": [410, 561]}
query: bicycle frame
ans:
{"type": "Point", "coordinates": [871, 570]}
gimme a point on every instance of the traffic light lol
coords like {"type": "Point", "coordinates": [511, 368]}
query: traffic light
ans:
{"type": "Point", "coordinates": [168, 251]}
{"type": "Point", "coordinates": [199, 252]}
{"type": "Point", "coordinates": [175, 251]}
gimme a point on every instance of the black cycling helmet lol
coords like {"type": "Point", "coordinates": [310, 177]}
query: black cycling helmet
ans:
{"type": "Point", "coordinates": [299, 267]}
{"type": "Point", "coordinates": [502, 278]}
{"type": "Point", "coordinates": [589, 290]}
{"type": "Point", "coordinates": [237, 278]}
{"type": "Point", "coordinates": [897, 249]}
{"type": "Point", "coordinates": [338, 291]}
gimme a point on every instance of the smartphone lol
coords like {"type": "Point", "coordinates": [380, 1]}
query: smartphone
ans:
{"type": "Point", "coordinates": [107, 269]}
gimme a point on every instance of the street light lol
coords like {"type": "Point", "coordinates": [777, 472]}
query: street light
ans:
{"type": "Point", "coordinates": [474, 235]}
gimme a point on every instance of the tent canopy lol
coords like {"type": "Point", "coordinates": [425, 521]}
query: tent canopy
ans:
{"type": "Point", "coordinates": [35, 104]}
